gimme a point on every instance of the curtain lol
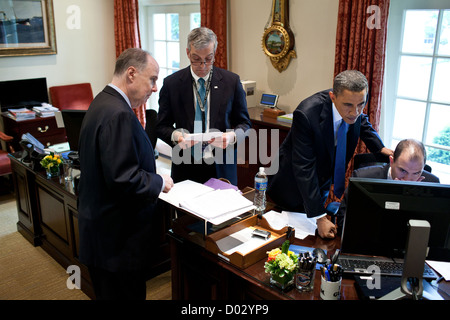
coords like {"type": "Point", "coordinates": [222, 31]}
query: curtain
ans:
{"type": "Point", "coordinates": [126, 31]}
{"type": "Point", "coordinates": [361, 45]}
{"type": "Point", "coordinates": [214, 17]}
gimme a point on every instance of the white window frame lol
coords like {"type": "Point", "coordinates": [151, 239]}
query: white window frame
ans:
{"type": "Point", "coordinates": [392, 72]}
{"type": "Point", "coordinates": [146, 10]}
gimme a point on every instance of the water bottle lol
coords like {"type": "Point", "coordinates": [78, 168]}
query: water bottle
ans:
{"type": "Point", "coordinates": [260, 191]}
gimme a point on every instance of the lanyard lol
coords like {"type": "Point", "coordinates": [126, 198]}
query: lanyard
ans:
{"type": "Point", "coordinates": [203, 103]}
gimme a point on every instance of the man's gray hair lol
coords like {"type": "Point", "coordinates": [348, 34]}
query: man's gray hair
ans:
{"type": "Point", "coordinates": [351, 80]}
{"type": "Point", "coordinates": [132, 57]}
{"type": "Point", "coordinates": [200, 38]}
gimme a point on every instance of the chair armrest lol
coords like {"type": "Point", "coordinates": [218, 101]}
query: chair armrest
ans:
{"type": "Point", "coordinates": [5, 137]}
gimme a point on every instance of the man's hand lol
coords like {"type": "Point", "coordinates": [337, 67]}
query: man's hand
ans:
{"type": "Point", "coordinates": [168, 182]}
{"type": "Point", "coordinates": [387, 152]}
{"type": "Point", "coordinates": [326, 228]}
{"type": "Point", "coordinates": [179, 137]}
{"type": "Point", "coordinates": [223, 142]}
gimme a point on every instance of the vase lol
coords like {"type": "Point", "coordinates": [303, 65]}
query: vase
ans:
{"type": "Point", "coordinates": [52, 172]}
{"type": "Point", "coordinates": [284, 282]}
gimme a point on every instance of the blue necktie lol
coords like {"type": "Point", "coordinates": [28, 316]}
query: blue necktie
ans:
{"type": "Point", "coordinates": [339, 165]}
{"type": "Point", "coordinates": [199, 125]}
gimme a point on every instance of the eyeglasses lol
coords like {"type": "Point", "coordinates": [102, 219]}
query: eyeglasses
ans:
{"type": "Point", "coordinates": [198, 62]}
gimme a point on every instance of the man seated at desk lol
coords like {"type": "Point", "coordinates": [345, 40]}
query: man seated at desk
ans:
{"type": "Point", "coordinates": [407, 164]}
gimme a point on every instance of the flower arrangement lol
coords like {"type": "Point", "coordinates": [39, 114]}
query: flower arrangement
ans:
{"type": "Point", "coordinates": [282, 265]}
{"type": "Point", "coordinates": [51, 164]}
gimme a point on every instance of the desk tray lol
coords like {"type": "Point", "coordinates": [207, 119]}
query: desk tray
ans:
{"type": "Point", "coordinates": [237, 258]}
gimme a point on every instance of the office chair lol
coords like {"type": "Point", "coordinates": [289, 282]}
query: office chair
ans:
{"type": "Point", "coordinates": [150, 127]}
{"type": "Point", "coordinates": [5, 162]}
{"type": "Point", "coordinates": [75, 96]}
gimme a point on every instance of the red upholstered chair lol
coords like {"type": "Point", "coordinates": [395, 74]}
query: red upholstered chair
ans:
{"type": "Point", "coordinates": [75, 96]}
{"type": "Point", "coordinates": [5, 163]}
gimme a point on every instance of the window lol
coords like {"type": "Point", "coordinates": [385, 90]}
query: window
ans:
{"type": "Point", "coordinates": [417, 87]}
{"type": "Point", "coordinates": [164, 27]}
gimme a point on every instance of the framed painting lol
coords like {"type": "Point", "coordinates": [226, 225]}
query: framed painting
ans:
{"type": "Point", "coordinates": [27, 27]}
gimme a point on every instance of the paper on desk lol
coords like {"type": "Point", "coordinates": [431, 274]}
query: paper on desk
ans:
{"type": "Point", "coordinates": [443, 268]}
{"type": "Point", "coordinates": [184, 190]}
{"type": "Point", "coordinates": [217, 203]}
{"type": "Point", "coordinates": [303, 225]}
{"type": "Point", "coordinates": [241, 241]}
{"type": "Point", "coordinates": [202, 136]}
{"type": "Point", "coordinates": [215, 206]}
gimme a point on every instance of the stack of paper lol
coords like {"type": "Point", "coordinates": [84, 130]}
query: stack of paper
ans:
{"type": "Point", "coordinates": [21, 114]}
{"type": "Point", "coordinates": [46, 110]}
{"type": "Point", "coordinates": [214, 206]}
{"type": "Point", "coordinates": [303, 225]}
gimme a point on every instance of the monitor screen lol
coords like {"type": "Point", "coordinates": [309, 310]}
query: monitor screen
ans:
{"type": "Point", "coordinates": [378, 211]}
{"type": "Point", "coordinates": [269, 100]}
{"type": "Point", "coordinates": [23, 93]}
{"type": "Point", "coordinates": [72, 122]}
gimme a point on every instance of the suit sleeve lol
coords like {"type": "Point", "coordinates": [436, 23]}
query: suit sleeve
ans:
{"type": "Point", "coordinates": [369, 135]}
{"type": "Point", "coordinates": [164, 126]}
{"type": "Point", "coordinates": [240, 118]}
{"type": "Point", "coordinates": [121, 158]}
{"type": "Point", "coordinates": [304, 164]}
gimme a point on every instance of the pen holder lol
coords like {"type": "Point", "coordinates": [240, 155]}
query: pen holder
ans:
{"type": "Point", "coordinates": [330, 290]}
{"type": "Point", "coordinates": [304, 278]}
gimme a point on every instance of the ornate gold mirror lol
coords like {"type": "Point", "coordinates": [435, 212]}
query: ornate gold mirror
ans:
{"type": "Point", "coordinates": [278, 40]}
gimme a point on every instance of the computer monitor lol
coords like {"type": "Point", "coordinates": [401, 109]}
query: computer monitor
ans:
{"type": "Point", "coordinates": [72, 122]}
{"type": "Point", "coordinates": [23, 93]}
{"type": "Point", "coordinates": [378, 211]}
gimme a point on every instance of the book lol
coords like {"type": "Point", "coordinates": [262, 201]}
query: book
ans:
{"type": "Point", "coordinates": [21, 114]}
{"type": "Point", "coordinates": [214, 206]}
{"type": "Point", "coordinates": [286, 118]}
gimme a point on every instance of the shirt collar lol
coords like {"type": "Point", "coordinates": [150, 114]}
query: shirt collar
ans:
{"type": "Point", "coordinates": [121, 93]}
{"type": "Point", "coordinates": [196, 77]}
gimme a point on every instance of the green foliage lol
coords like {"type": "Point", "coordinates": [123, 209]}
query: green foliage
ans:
{"type": "Point", "coordinates": [438, 155]}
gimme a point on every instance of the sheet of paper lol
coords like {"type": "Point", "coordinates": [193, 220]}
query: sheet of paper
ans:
{"type": "Point", "coordinates": [303, 225]}
{"type": "Point", "coordinates": [241, 241]}
{"type": "Point", "coordinates": [184, 190]}
{"type": "Point", "coordinates": [443, 268]}
{"type": "Point", "coordinates": [216, 203]}
{"type": "Point", "coordinates": [202, 136]}
{"type": "Point", "coordinates": [215, 206]}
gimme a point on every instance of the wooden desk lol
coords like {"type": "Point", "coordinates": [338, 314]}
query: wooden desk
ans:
{"type": "Point", "coordinates": [43, 129]}
{"type": "Point", "coordinates": [197, 274]}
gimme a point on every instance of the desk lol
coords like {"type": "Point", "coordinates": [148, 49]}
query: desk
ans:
{"type": "Point", "coordinates": [197, 274]}
{"type": "Point", "coordinates": [43, 129]}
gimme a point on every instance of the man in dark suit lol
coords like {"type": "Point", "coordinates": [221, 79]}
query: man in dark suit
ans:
{"type": "Point", "coordinates": [307, 155]}
{"type": "Point", "coordinates": [119, 186]}
{"type": "Point", "coordinates": [222, 108]}
{"type": "Point", "coordinates": [406, 164]}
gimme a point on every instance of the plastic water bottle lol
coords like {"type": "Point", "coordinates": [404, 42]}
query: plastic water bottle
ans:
{"type": "Point", "coordinates": [260, 191]}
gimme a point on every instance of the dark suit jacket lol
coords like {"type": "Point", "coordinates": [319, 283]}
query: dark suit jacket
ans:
{"type": "Point", "coordinates": [306, 156]}
{"type": "Point", "coordinates": [228, 110]}
{"type": "Point", "coordinates": [118, 187]}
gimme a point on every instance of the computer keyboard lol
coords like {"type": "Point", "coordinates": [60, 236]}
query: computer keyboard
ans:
{"type": "Point", "coordinates": [356, 265]}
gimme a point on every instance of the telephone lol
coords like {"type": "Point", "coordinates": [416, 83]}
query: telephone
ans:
{"type": "Point", "coordinates": [33, 149]}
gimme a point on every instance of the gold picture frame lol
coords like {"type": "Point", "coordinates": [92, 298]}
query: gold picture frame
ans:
{"type": "Point", "coordinates": [27, 27]}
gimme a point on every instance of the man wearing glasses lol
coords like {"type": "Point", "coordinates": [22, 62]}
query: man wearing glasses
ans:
{"type": "Point", "coordinates": [203, 98]}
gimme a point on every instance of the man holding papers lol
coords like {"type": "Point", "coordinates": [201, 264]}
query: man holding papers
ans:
{"type": "Point", "coordinates": [208, 107]}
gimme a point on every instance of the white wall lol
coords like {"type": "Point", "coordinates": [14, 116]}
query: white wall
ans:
{"type": "Point", "coordinates": [314, 26]}
{"type": "Point", "coordinates": [84, 55]}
